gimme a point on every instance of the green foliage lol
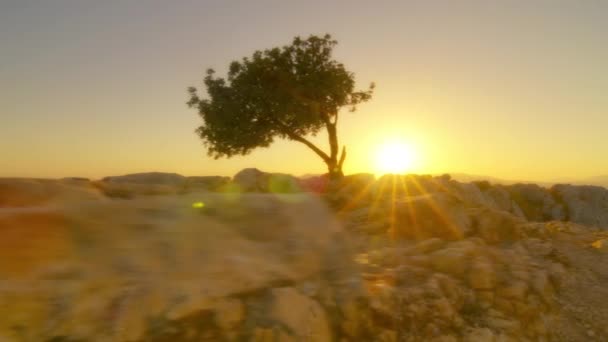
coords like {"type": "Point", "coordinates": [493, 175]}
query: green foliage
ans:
{"type": "Point", "coordinates": [287, 92]}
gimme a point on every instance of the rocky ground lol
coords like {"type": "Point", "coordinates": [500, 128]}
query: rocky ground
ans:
{"type": "Point", "coordinates": [159, 257]}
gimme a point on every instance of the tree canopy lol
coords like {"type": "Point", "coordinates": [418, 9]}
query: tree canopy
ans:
{"type": "Point", "coordinates": [286, 92]}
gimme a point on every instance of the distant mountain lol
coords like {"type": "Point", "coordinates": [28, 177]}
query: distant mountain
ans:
{"type": "Point", "coordinates": [597, 180]}
{"type": "Point", "coordinates": [467, 178]}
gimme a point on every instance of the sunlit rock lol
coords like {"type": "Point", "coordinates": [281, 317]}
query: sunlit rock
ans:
{"type": "Point", "coordinates": [23, 192]}
{"type": "Point", "coordinates": [585, 204]}
{"type": "Point", "coordinates": [147, 178]}
{"type": "Point", "coordinates": [254, 180]}
{"type": "Point", "coordinates": [427, 216]}
{"type": "Point", "coordinates": [303, 317]}
{"type": "Point", "coordinates": [495, 226]}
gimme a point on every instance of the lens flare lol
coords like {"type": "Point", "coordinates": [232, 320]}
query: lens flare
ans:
{"type": "Point", "coordinates": [198, 205]}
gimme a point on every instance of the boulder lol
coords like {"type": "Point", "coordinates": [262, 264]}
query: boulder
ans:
{"type": "Point", "coordinates": [482, 275]}
{"type": "Point", "coordinates": [537, 203]}
{"type": "Point", "coordinates": [479, 335]}
{"type": "Point", "coordinates": [495, 226]}
{"type": "Point", "coordinates": [453, 261]}
{"type": "Point", "coordinates": [254, 180]}
{"type": "Point", "coordinates": [586, 205]}
{"type": "Point", "coordinates": [515, 290]}
{"type": "Point", "coordinates": [303, 317]}
{"type": "Point", "coordinates": [148, 178]}
{"type": "Point", "coordinates": [353, 191]}
{"type": "Point", "coordinates": [228, 313]}
{"type": "Point", "coordinates": [251, 180]}
{"type": "Point", "coordinates": [211, 183]}
{"type": "Point", "coordinates": [471, 194]}
{"type": "Point", "coordinates": [141, 184]}
{"type": "Point", "coordinates": [126, 190]}
{"type": "Point", "coordinates": [502, 200]}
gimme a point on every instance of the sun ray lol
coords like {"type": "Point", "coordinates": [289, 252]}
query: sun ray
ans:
{"type": "Point", "coordinates": [439, 211]}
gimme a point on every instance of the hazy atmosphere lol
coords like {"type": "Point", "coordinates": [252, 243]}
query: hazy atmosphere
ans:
{"type": "Point", "coordinates": [303, 171]}
{"type": "Point", "coordinates": [515, 90]}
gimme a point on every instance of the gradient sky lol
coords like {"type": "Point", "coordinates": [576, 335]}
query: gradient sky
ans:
{"type": "Point", "coordinates": [512, 89]}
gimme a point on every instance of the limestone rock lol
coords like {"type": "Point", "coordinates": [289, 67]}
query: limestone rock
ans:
{"type": "Point", "coordinates": [515, 290]}
{"type": "Point", "coordinates": [22, 192]}
{"type": "Point", "coordinates": [228, 313]}
{"type": "Point", "coordinates": [482, 276]}
{"type": "Point", "coordinates": [495, 226]}
{"type": "Point", "coordinates": [254, 180]}
{"type": "Point", "coordinates": [211, 183]}
{"type": "Point", "coordinates": [503, 201]}
{"type": "Point", "coordinates": [126, 190]}
{"type": "Point", "coordinates": [429, 245]}
{"type": "Point", "coordinates": [479, 335]}
{"type": "Point", "coordinates": [147, 178]}
{"type": "Point", "coordinates": [586, 205]}
{"type": "Point", "coordinates": [537, 203]}
{"type": "Point", "coordinates": [304, 317]}
{"type": "Point", "coordinates": [471, 194]}
{"type": "Point", "coordinates": [451, 261]}
{"type": "Point", "coordinates": [157, 258]}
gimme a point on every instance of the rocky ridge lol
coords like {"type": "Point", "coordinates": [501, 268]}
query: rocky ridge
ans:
{"type": "Point", "coordinates": [400, 258]}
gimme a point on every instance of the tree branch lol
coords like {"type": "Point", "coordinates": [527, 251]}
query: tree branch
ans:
{"type": "Point", "coordinates": [342, 157]}
{"type": "Point", "coordinates": [310, 145]}
{"type": "Point", "coordinates": [285, 130]}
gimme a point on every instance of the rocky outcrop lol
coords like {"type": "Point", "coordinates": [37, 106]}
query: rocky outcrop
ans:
{"type": "Point", "coordinates": [448, 265]}
{"type": "Point", "coordinates": [254, 180]}
{"type": "Point", "coordinates": [587, 205]}
{"type": "Point", "coordinates": [21, 192]}
{"type": "Point", "coordinates": [470, 290]}
{"type": "Point", "coordinates": [209, 183]}
{"type": "Point", "coordinates": [157, 178]}
{"type": "Point", "coordinates": [257, 267]}
{"type": "Point", "coordinates": [537, 203]}
{"type": "Point", "coordinates": [580, 204]}
{"type": "Point", "coordinates": [350, 192]}
{"type": "Point", "coordinates": [425, 216]}
{"type": "Point", "coordinates": [126, 190]}
{"type": "Point", "coordinates": [141, 184]}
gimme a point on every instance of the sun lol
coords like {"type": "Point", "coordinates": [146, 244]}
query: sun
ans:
{"type": "Point", "coordinates": [394, 157]}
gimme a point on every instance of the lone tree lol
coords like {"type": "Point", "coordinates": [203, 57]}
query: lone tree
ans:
{"type": "Point", "coordinates": [288, 92]}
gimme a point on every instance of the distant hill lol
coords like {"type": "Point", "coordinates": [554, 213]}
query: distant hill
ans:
{"type": "Point", "coordinates": [597, 180]}
{"type": "Point", "coordinates": [467, 178]}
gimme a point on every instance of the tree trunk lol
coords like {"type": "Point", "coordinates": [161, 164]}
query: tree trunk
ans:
{"type": "Point", "coordinates": [333, 164]}
{"type": "Point", "coordinates": [335, 172]}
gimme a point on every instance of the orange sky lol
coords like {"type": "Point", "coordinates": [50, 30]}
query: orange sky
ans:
{"type": "Point", "coordinates": [515, 90]}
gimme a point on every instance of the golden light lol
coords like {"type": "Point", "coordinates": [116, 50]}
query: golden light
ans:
{"type": "Point", "coordinates": [395, 157]}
